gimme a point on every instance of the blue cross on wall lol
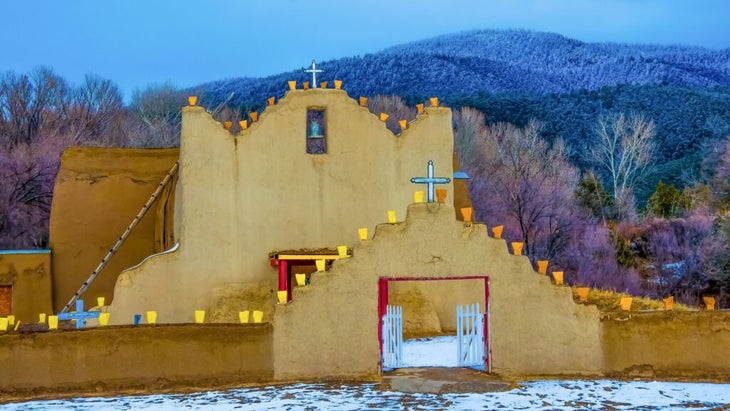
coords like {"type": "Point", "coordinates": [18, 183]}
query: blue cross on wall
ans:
{"type": "Point", "coordinates": [430, 181]}
{"type": "Point", "coordinates": [79, 315]}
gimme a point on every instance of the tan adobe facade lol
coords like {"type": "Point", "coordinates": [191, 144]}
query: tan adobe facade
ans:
{"type": "Point", "coordinates": [242, 197]}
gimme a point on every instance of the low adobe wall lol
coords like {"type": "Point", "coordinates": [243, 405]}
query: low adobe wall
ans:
{"type": "Point", "coordinates": [129, 357]}
{"type": "Point", "coordinates": [684, 345]}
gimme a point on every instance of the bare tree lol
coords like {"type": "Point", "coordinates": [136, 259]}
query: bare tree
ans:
{"type": "Point", "coordinates": [41, 115]}
{"type": "Point", "coordinates": [30, 103]}
{"type": "Point", "coordinates": [624, 149]}
{"type": "Point", "coordinates": [394, 107]}
{"type": "Point", "coordinates": [158, 108]}
{"type": "Point", "coordinates": [721, 180]}
{"type": "Point", "coordinates": [233, 114]}
{"type": "Point", "coordinates": [591, 259]}
{"type": "Point", "coordinates": [97, 112]}
{"type": "Point", "coordinates": [686, 255]}
{"type": "Point", "coordinates": [471, 128]}
{"type": "Point", "coordinates": [28, 172]}
{"type": "Point", "coordinates": [520, 181]}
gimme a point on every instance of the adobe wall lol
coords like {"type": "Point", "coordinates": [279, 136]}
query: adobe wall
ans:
{"type": "Point", "coordinates": [144, 357]}
{"type": "Point", "coordinates": [536, 326]}
{"type": "Point", "coordinates": [97, 193]}
{"type": "Point", "coordinates": [687, 345]}
{"type": "Point", "coordinates": [242, 197]}
{"type": "Point", "coordinates": [29, 272]}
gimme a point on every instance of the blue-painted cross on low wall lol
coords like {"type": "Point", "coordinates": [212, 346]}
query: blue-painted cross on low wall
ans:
{"type": "Point", "coordinates": [79, 315]}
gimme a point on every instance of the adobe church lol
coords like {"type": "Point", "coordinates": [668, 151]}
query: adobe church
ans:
{"type": "Point", "coordinates": [241, 222]}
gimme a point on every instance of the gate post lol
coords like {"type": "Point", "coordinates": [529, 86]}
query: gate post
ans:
{"type": "Point", "coordinates": [382, 308]}
{"type": "Point", "coordinates": [284, 278]}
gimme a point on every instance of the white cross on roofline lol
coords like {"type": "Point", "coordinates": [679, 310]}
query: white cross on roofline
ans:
{"type": "Point", "coordinates": [314, 70]}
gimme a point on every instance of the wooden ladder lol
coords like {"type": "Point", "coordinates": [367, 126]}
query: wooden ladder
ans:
{"type": "Point", "coordinates": [123, 237]}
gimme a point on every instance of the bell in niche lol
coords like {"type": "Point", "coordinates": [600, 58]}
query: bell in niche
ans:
{"type": "Point", "coordinates": [315, 131]}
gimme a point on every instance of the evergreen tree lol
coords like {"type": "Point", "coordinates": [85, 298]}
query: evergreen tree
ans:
{"type": "Point", "coordinates": [666, 202]}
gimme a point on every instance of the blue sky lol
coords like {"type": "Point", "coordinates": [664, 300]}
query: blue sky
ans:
{"type": "Point", "coordinates": [136, 43]}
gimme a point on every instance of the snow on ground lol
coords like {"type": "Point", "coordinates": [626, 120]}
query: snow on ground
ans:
{"type": "Point", "coordinates": [441, 351]}
{"type": "Point", "coordinates": [554, 395]}
{"type": "Point", "coordinates": [430, 352]}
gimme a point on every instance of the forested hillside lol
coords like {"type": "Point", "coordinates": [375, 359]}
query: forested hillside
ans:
{"type": "Point", "coordinates": [559, 64]}
{"type": "Point", "coordinates": [499, 61]}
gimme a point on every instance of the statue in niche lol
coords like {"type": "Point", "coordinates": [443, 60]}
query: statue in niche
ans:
{"type": "Point", "coordinates": [315, 131]}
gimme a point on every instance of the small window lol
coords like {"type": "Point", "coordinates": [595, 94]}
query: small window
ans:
{"type": "Point", "coordinates": [6, 300]}
{"type": "Point", "coordinates": [316, 131]}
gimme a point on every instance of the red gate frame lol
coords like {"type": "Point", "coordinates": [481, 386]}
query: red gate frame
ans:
{"type": "Point", "coordinates": [383, 304]}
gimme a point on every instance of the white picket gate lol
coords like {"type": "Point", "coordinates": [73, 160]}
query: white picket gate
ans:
{"type": "Point", "coordinates": [393, 337]}
{"type": "Point", "coordinates": [470, 336]}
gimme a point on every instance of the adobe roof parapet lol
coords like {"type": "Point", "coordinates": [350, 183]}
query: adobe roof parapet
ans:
{"type": "Point", "coordinates": [258, 117]}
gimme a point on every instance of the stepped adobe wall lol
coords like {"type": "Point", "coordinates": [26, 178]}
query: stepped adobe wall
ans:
{"type": "Point", "coordinates": [330, 327]}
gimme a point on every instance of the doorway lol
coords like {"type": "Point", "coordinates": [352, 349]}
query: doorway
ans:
{"type": "Point", "coordinates": [469, 347]}
{"type": "Point", "coordinates": [6, 300]}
